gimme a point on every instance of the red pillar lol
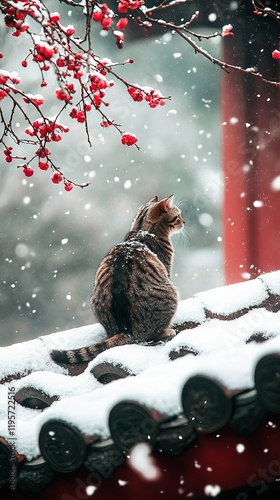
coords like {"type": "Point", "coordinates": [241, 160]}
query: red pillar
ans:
{"type": "Point", "coordinates": [251, 153]}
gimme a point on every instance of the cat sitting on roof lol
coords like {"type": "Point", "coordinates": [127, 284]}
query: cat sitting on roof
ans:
{"type": "Point", "coordinates": [133, 297]}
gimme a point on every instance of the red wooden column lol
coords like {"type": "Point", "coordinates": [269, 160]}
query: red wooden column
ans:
{"type": "Point", "coordinates": [251, 151]}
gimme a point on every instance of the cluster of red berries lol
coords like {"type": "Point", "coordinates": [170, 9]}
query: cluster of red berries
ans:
{"type": "Point", "coordinates": [5, 78]}
{"type": "Point", "coordinates": [98, 84]}
{"type": "Point", "coordinates": [4, 93]}
{"type": "Point", "coordinates": [43, 52]}
{"type": "Point", "coordinates": [37, 100]}
{"type": "Point", "coordinates": [227, 30]}
{"type": "Point", "coordinates": [101, 65]}
{"type": "Point", "coordinates": [106, 123]}
{"type": "Point", "coordinates": [98, 81]}
{"type": "Point", "coordinates": [125, 5]}
{"type": "Point", "coordinates": [46, 129]}
{"type": "Point", "coordinates": [128, 139]}
{"type": "Point", "coordinates": [56, 178]}
{"type": "Point", "coordinates": [73, 63]}
{"type": "Point", "coordinates": [42, 153]}
{"type": "Point", "coordinates": [152, 96]}
{"type": "Point", "coordinates": [103, 15]}
{"type": "Point", "coordinates": [14, 18]}
{"type": "Point", "coordinates": [8, 154]}
{"type": "Point", "coordinates": [66, 94]}
{"type": "Point", "coordinates": [79, 115]}
{"type": "Point", "coordinates": [68, 65]}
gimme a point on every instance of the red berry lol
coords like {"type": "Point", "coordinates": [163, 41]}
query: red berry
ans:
{"type": "Point", "coordinates": [106, 123]}
{"type": "Point", "coordinates": [43, 165]}
{"type": "Point", "coordinates": [119, 39]}
{"type": "Point", "coordinates": [80, 117]}
{"type": "Point", "coordinates": [97, 16]}
{"type": "Point", "coordinates": [55, 17]}
{"type": "Point", "coordinates": [136, 4]}
{"type": "Point", "coordinates": [43, 152]}
{"type": "Point", "coordinates": [122, 23]}
{"type": "Point", "coordinates": [9, 159]}
{"type": "Point", "coordinates": [28, 171]}
{"type": "Point", "coordinates": [123, 6]}
{"type": "Point", "coordinates": [3, 94]}
{"type": "Point", "coordinates": [61, 62]}
{"type": "Point", "coordinates": [57, 178]}
{"type": "Point", "coordinates": [276, 54]}
{"type": "Point", "coordinates": [70, 31]}
{"type": "Point", "coordinates": [3, 78]}
{"type": "Point", "coordinates": [24, 63]}
{"type": "Point", "coordinates": [68, 186]}
{"type": "Point", "coordinates": [106, 23]}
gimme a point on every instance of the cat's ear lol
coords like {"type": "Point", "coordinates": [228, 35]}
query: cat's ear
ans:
{"type": "Point", "coordinates": [153, 200]}
{"type": "Point", "coordinates": [166, 203]}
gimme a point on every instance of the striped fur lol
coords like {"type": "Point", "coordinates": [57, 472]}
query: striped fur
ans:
{"type": "Point", "coordinates": [133, 297]}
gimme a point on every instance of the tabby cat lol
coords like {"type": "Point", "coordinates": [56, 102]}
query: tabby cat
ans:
{"type": "Point", "coordinates": [133, 297]}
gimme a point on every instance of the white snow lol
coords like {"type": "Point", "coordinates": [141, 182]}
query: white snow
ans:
{"type": "Point", "coordinates": [133, 358]}
{"type": "Point", "coordinates": [33, 355]}
{"type": "Point", "coordinates": [142, 462]}
{"type": "Point", "coordinates": [189, 310]}
{"type": "Point", "coordinates": [275, 184]}
{"type": "Point", "coordinates": [90, 490]}
{"type": "Point", "coordinates": [212, 490]}
{"type": "Point", "coordinates": [158, 382]}
{"type": "Point", "coordinates": [272, 280]}
{"type": "Point", "coordinates": [127, 184]}
{"type": "Point", "coordinates": [240, 448]}
{"type": "Point", "coordinates": [232, 298]}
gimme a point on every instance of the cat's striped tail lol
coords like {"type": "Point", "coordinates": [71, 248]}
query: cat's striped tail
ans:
{"type": "Point", "coordinates": [86, 354]}
{"type": "Point", "coordinates": [75, 356]}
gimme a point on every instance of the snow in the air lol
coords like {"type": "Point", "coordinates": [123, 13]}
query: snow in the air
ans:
{"type": "Point", "coordinates": [240, 448]}
{"type": "Point", "coordinates": [212, 490]}
{"type": "Point", "coordinates": [275, 185]}
{"type": "Point", "coordinates": [143, 463]}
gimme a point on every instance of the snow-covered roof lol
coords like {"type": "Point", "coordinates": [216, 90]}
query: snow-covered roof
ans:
{"type": "Point", "coordinates": [226, 351]}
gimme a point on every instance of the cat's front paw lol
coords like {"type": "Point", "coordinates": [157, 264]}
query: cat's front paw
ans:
{"type": "Point", "coordinates": [167, 334]}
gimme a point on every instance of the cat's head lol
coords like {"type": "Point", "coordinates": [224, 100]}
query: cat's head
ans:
{"type": "Point", "coordinates": [159, 216]}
